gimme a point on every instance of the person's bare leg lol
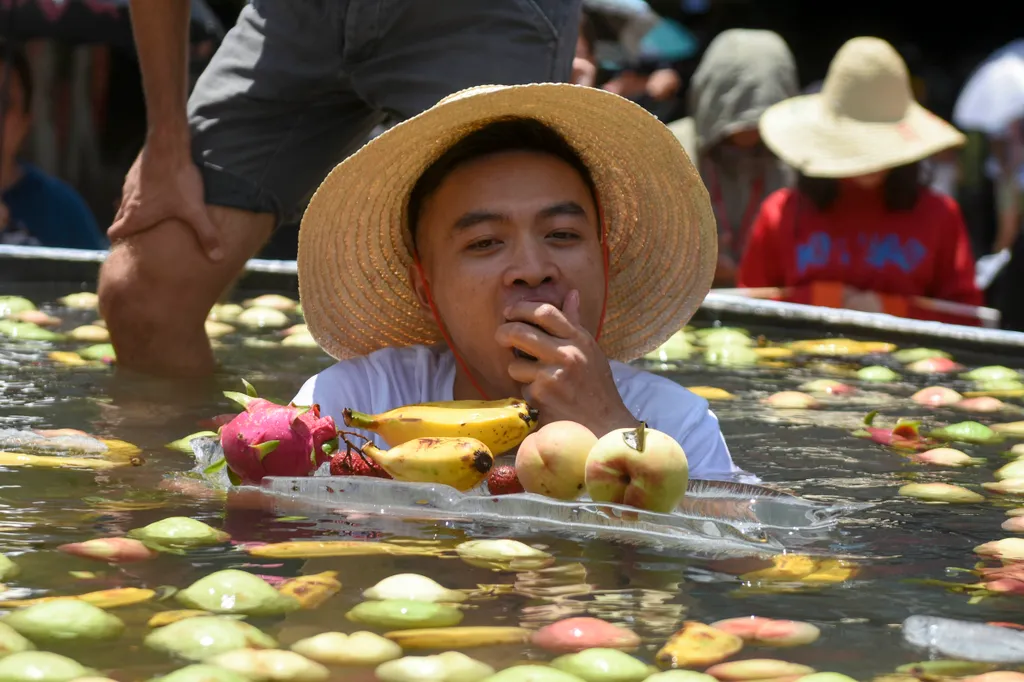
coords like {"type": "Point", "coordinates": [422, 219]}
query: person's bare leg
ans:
{"type": "Point", "coordinates": [157, 287]}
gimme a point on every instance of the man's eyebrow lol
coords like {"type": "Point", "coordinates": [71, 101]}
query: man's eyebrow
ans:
{"type": "Point", "coordinates": [476, 217]}
{"type": "Point", "coordinates": [563, 208]}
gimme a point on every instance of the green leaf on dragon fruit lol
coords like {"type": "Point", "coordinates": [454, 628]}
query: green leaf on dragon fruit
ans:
{"type": "Point", "coordinates": [185, 444]}
{"type": "Point", "coordinates": [240, 398]}
{"type": "Point", "coordinates": [215, 467]}
{"type": "Point", "coordinates": [869, 418]}
{"type": "Point", "coordinates": [329, 447]}
{"type": "Point", "coordinates": [250, 390]}
{"type": "Point", "coordinates": [234, 478]}
{"type": "Point", "coordinates": [266, 448]}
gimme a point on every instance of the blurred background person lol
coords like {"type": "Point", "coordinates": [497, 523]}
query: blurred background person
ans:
{"type": "Point", "coordinates": [742, 73]}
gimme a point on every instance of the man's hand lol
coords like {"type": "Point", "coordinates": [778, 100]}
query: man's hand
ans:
{"type": "Point", "coordinates": [165, 184]}
{"type": "Point", "coordinates": [663, 84]}
{"type": "Point", "coordinates": [571, 378]}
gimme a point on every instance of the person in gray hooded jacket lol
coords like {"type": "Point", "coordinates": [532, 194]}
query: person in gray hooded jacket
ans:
{"type": "Point", "coordinates": [742, 73]}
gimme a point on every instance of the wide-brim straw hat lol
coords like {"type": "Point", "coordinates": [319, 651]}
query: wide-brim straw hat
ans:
{"type": "Point", "coordinates": [354, 245]}
{"type": "Point", "coordinates": [863, 120]}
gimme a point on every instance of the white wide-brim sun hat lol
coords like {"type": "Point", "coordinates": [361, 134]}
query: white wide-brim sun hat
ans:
{"type": "Point", "coordinates": [355, 249]}
{"type": "Point", "coordinates": [863, 120]}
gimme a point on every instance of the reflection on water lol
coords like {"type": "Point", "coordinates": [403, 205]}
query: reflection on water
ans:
{"type": "Point", "coordinates": [646, 588]}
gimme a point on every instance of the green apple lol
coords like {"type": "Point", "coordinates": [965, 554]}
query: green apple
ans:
{"type": "Point", "coordinates": [643, 468]}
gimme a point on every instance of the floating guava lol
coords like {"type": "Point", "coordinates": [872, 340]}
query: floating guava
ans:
{"type": "Point", "coordinates": [83, 300]}
{"type": "Point", "coordinates": [677, 347]}
{"type": "Point", "coordinates": [41, 666]}
{"type": "Point", "coordinates": [234, 591]}
{"type": "Point", "coordinates": [450, 666]}
{"type": "Point", "coordinates": [877, 373]}
{"type": "Point", "coordinates": [1014, 524]}
{"type": "Point", "coordinates": [1014, 429]}
{"type": "Point", "coordinates": [200, 672]}
{"type": "Point", "coordinates": [936, 396]}
{"type": "Point", "coordinates": [730, 356]}
{"type": "Point", "coordinates": [770, 632]}
{"type": "Point", "coordinates": [792, 400]}
{"type": "Point", "coordinates": [12, 641]}
{"type": "Point", "coordinates": [301, 328]}
{"type": "Point", "coordinates": [992, 373]}
{"type": "Point", "coordinates": [225, 312]}
{"type": "Point", "coordinates": [947, 457]}
{"type": "Point", "coordinates": [1014, 469]}
{"type": "Point", "coordinates": [65, 620]}
{"type": "Point", "coordinates": [200, 637]}
{"type": "Point", "coordinates": [604, 665]}
{"type": "Point", "coordinates": [827, 677]}
{"type": "Point", "coordinates": [178, 532]}
{"type": "Point", "coordinates": [1006, 486]}
{"type": "Point", "coordinates": [934, 366]}
{"type": "Point", "coordinates": [725, 336]}
{"type": "Point", "coordinates": [459, 637]}
{"type": "Point", "coordinates": [1007, 549]}
{"type": "Point", "coordinates": [532, 673]}
{"type": "Point", "coordinates": [967, 432]}
{"type": "Point", "coordinates": [300, 341]}
{"type": "Point", "coordinates": [572, 635]}
{"type": "Point", "coordinates": [503, 554]}
{"type": "Point", "coordinates": [270, 665]}
{"type": "Point", "coordinates": [981, 405]}
{"type": "Point", "coordinates": [8, 569]}
{"type": "Point", "coordinates": [215, 329]}
{"type": "Point", "coordinates": [274, 301]}
{"type": "Point", "coordinates": [757, 669]}
{"type": "Point", "coordinates": [680, 676]}
{"type": "Point", "coordinates": [101, 352]}
{"type": "Point", "coordinates": [402, 614]}
{"type": "Point", "coordinates": [111, 550]}
{"type": "Point", "coordinates": [12, 305]}
{"type": "Point", "coordinates": [1006, 388]}
{"type": "Point", "coordinates": [827, 386]}
{"type": "Point", "coordinates": [262, 318]}
{"type": "Point", "coordinates": [253, 342]}
{"type": "Point", "coordinates": [36, 317]}
{"type": "Point", "coordinates": [357, 648]}
{"type": "Point", "coordinates": [941, 492]}
{"type": "Point", "coordinates": [413, 587]}
{"type": "Point", "coordinates": [909, 355]}
{"type": "Point", "coordinates": [26, 331]}
{"type": "Point", "coordinates": [89, 333]}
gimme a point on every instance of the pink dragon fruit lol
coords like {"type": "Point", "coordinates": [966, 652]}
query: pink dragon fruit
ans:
{"type": "Point", "coordinates": [268, 439]}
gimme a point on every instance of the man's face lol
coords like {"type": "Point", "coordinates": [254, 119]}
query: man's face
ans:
{"type": "Point", "coordinates": [510, 227]}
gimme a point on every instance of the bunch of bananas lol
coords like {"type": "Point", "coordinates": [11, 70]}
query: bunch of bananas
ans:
{"type": "Point", "coordinates": [450, 442]}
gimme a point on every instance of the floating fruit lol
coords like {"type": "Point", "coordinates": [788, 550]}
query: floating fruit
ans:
{"type": "Point", "coordinates": [1007, 549]}
{"type": "Point", "coordinates": [909, 355]}
{"type": "Point", "coordinates": [827, 386]}
{"type": "Point", "coordinates": [89, 333]}
{"type": "Point", "coordinates": [785, 567]}
{"type": "Point", "coordinates": [234, 591]}
{"type": "Point", "coordinates": [37, 317]}
{"type": "Point", "coordinates": [934, 366]}
{"type": "Point", "coordinates": [67, 358]}
{"type": "Point", "coordinates": [225, 312]}
{"type": "Point", "coordinates": [711, 393]}
{"type": "Point", "coordinates": [103, 599]}
{"type": "Point", "coordinates": [413, 587]}
{"type": "Point", "coordinates": [503, 480]}
{"type": "Point", "coordinates": [1014, 469]}
{"type": "Point", "coordinates": [262, 318]}
{"type": "Point", "coordinates": [552, 461]}
{"type": "Point", "coordinates": [503, 554]}
{"type": "Point", "coordinates": [757, 669]}
{"type": "Point", "coordinates": [730, 356]}
{"type": "Point", "coordinates": [459, 462]}
{"type": "Point", "coordinates": [941, 492]}
{"type": "Point", "coordinates": [936, 396]}
{"type": "Point", "coordinates": [65, 620]}
{"type": "Point", "coordinates": [274, 301]}
{"type": "Point", "coordinates": [981, 404]}
{"type": "Point", "coordinates": [1015, 429]}
{"type": "Point", "coordinates": [215, 329]}
{"type": "Point", "coordinates": [532, 673]}
{"type": "Point", "coordinates": [41, 666]}
{"type": "Point", "coordinates": [111, 550]}
{"type": "Point", "coordinates": [992, 373]}
{"type": "Point", "coordinates": [82, 300]}
{"type": "Point", "coordinates": [158, 620]}
{"type": "Point", "coordinates": [603, 665]}
{"type": "Point", "coordinates": [357, 648]}
{"type": "Point", "coordinates": [770, 632]}
{"type": "Point", "coordinates": [12, 641]}
{"type": "Point", "coordinates": [967, 432]}
{"type": "Point", "coordinates": [178, 532]}
{"type": "Point", "coordinates": [837, 347]}
{"type": "Point", "coordinates": [642, 468]}
{"type": "Point", "coordinates": [947, 457]}
{"type": "Point", "coordinates": [458, 637]}
{"type": "Point", "coordinates": [270, 665]}
{"type": "Point", "coordinates": [8, 569]}
{"type": "Point", "coordinates": [680, 676]}
{"type": "Point", "coordinates": [199, 638]}
{"type": "Point", "coordinates": [1014, 524]}
{"type": "Point", "coordinates": [725, 336]}
{"type": "Point", "coordinates": [199, 672]}
{"type": "Point", "coordinates": [931, 669]}
{"type": "Point", "coordinates": [676, 348]}
{"type": "Point", "coordinates": [403, 614]}
{"type": "Point", "coordinates": [576, 634]}
{"type": "Point", "coordinates": [697, 645]}
{"type": "Point", "coordinates": [877, 373]}
{"type": "Point", "coordinates": [311, 590]}
{"type": "Point", "coordinates": [450, 666]}
{"type": "Point", "coordinates": [25, 331]}
{"type": "Point", "coordinates": [792, 400]}
{"type": "Point", "coordinates": [1007, 486]}
{"type": "Point", "coordinates": [826, 677]}
{"type": "Point", "coordinates": [305, 549]}
{"type": "Point", "coordinates": [303, 340]}
{"type": "Point", "coordinates": [501, 425]}
{"type": "Point", "coordinates": [101, 352]}
{"type": "Point", "coordinates": [12, 305]}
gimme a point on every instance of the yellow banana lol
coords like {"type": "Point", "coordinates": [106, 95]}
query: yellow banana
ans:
{"type": "Point", "coordinates": [307, 549]}
{"type": "Point", "coordinates": [499, 424]}
{"type": "Point", "coordinates": [104, 599]}
{"type": "Point", "coordinates": [312, 590]}
{"type": "Point", "coordinates": [459, 462]}
{"type": "Point", "coordinates": [17, 459]}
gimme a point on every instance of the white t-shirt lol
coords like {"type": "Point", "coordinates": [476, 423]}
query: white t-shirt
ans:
{"type": "Point", "coordinates": [393, 377]}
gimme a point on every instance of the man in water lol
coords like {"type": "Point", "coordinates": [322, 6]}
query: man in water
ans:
{"type": "Point", "coordinates": [296, 86]}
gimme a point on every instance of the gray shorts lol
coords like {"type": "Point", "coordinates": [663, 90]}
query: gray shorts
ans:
{"type": "Point", "coordinates": [297, 85]}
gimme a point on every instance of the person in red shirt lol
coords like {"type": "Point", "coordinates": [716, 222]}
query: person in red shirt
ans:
{"type": "Point", "coordinates": [861, 229]}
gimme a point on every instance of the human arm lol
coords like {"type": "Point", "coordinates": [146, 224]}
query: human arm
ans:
{"type": "Point", "coordinates": [163, 183]}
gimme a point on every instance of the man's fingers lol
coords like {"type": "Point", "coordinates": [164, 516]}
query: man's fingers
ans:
{"type": "Point", "coordinates": [528, 339]}
{"type": "Point", "coordinates": [545, 315]}
{"type": "Point", "coordinates": [206, 233]}
{"type": "Point", "coordinates": [523, 371]}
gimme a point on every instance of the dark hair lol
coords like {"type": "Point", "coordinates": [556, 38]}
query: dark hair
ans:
{"type": "Point", "coordinates": [505, 135]}
{"type": "Point", "coordinates": [15, 57]}
{"type": "Point", "coordinates": [900, 189]}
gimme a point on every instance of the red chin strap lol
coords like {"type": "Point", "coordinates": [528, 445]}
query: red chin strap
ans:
{"type": "Point", "coordinates": [448, 339]}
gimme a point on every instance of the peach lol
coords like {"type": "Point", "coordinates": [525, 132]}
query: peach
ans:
{"type": "Point", "coordinates": [571, 635]}
{"type": "Point", "coordinates": [756, 669]}
{"type": "Point", "coordinates": [552, 460]}
{"type": "Point", "coordinates": [770, 632]}
{"type": "Point", "coordinates": [936, 396]}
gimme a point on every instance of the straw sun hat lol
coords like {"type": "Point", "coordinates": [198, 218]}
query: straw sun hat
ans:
{"type": "Point", "coordinates": [354, 246]}
{"type": "Point", "coordinates": [864, 120]}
